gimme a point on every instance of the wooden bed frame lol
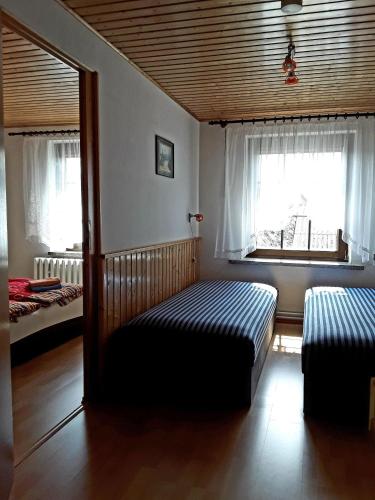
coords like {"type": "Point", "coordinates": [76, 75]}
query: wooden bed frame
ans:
{"type": "Point", "coordinates": [140, 278]}
{"type": "Point", "coordinates": [43, 318]}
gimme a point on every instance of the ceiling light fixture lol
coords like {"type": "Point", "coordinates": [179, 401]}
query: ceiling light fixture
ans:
{"type": "Point", "coordinates": [291, 6]}
{"type": "Point", "coordinates": [289, 66]}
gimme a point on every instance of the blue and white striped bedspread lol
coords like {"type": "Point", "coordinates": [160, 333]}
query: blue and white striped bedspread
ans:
{"type": "Point", "coordinates": [225, 308]}
{"type": "Point", "coordinates": [339, 328]}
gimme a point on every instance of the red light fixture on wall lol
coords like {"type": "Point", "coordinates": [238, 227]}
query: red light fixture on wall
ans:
{"type": "Point", "coordinates": [197, 217]}
{"type": "Point", "coordinates": [289, 66]}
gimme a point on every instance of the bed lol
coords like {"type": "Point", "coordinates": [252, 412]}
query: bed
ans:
{"type": "Point", "coordinates": [43, 318]}
{"type": "Point", "coordinates": [31, 312]}
{"type": "Point", "coordinates": [206, 344]}
{"type": "Point", "coordinates": [338, 352]}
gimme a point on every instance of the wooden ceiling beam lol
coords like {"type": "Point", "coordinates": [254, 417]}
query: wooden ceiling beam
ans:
{"type": "Point", "coordinates": [250, 111]}
{"type": "Point", "coordinates": [276, 81]}
{"type": "Point", "coordinates": [105, 11]}
{"type": "Point", "coordinates": [250, 48]}
{"type": "Point", "coordinates": [330, 19]}
{"type": "Point", "coordinates": [215, 15]}
{"type": "Point", "coordinates": [295, 95]}
{"type": "Point", "coordinates": [262, 33]}
{"type": "Point", "coordinates": [272, 59]}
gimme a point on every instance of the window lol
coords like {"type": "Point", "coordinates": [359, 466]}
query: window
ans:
{"type": "Point", "coordinates": [52, 192]}
{"type": "Point", "coordinates": [301, 206]}
{"type": "Point", "coordinates": [66, 208]}
{"type": "Point", "coordinates": [287, 190]}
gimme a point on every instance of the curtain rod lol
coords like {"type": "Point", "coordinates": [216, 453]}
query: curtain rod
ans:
{"type": "Point", "coordinates": [224, 123]}
{"type": "Point", "coordinates": [45, 132]}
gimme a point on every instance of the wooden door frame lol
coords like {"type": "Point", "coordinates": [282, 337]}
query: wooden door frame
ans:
{"type": "Point", "coordinates": [89, 138]}
{"type": "Point", "coordinates": [6, 421]}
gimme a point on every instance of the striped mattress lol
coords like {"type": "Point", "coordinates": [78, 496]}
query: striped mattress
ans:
{"type": "Point", "coordinates": [339, 329]}
{"type": "Point", "coordinates": [221, 308]}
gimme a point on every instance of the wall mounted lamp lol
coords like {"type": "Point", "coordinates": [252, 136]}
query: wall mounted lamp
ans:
{"type": "Point", "coordinates": [197, 217]}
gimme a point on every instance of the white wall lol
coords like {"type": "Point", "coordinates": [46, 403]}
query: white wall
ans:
{"type": "Point", "coordinates": [138, 207]}
{"type": "Point", "coordinates": [291, 281]}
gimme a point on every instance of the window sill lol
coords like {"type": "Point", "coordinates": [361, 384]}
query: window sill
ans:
{"type": "Point", "coordinates": [298, 263]}
{"type": "Point", "coordinates": [67, 255]}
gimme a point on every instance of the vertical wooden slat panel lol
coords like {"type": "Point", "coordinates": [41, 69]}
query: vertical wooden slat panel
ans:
{"type": "Point", "coordinates": [128, 287]}
{"type": "Point", "coordinates": [179, 265]}
{"type": "Point", "coordinates": [173, 269]}
{"type": "Point", "coordinates": [170, 272]}
{"type": "Point", "coordinates": [177, 268]}
{"type": "Point", "coordinates": [152, 277]}
{"type": "Point", "coordinates": [188, 262]}
{"type": "Point", "coordinates": [139, 283]}
{"type": "Point", "coordinates": [104, 297]}
{"type": "Point", "coordinates": [110, 327]}
{"type": "Point", "coordinates": [167, 273]}
{"type": "Point", "coordinates": [144, 280]}
{"type": "Point", "coordinates": [123, 299]}
{"type": "Point", "coordinates": [148, 279]}
{"type": "Point", "coordinates": [116, 293]}
{"type": "Point", "coordinates": [134, 284]}
{"type": "Point", "coordinates": [135, 280]}
{"type": "Point", "coordinates": [160, 274]}
{"type": "Point", "coordinates": [184, 264]}
{"type": "Point", "coordinates": [164, 271]}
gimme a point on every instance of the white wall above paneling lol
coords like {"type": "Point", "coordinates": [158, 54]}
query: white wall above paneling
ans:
{"type": "Point", "coordinates": [137, 207]}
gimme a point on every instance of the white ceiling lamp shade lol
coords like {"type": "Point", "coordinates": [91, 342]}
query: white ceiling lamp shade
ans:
{"type": "Point", "coordinates": [291, 6]}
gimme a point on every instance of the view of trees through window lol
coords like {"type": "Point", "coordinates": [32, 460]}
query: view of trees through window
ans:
{"type": "Point", "coordinates": [301, 201]}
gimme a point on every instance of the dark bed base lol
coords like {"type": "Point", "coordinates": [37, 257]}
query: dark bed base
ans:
{"type": "Point", "coordinates": [342, 398]}
{"type": "Point", "coordinates": [183, 369]}
{"type": "Point", "coordinates": [39, 342]}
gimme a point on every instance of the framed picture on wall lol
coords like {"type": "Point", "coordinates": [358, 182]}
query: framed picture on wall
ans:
{"type": "Point", "coordinates": [164, 157]}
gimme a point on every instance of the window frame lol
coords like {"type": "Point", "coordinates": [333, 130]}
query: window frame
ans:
{"type": "Point", "coordinates": [339, 255]}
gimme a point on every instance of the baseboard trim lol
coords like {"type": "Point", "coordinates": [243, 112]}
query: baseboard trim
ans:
{"type": "Point", "coordinates": [295, 318]}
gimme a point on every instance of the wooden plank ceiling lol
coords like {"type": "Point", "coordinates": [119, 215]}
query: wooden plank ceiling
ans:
{"type": "Point", "coordinates": [39, 90]}
{"type": "Point", "coordinates": [222, 59]}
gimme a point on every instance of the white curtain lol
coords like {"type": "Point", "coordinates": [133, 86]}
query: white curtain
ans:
{"type": "Point", "coordinates": [359, 227]}
{"type": "Point", "coordinates": [52, 191]}
{"type": "Point", "coordinates": [332, 157]}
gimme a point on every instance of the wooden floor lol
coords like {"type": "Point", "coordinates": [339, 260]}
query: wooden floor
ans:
{"type": "Point", "coordinates": [268, 453]}
{"type": "Point", "coordinates": [45, 389]}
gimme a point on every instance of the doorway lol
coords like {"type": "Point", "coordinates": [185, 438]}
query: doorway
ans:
{"type": "Point", "coordinates": [50, 111]}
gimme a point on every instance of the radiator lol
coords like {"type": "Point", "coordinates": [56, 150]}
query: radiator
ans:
{"type": "Point", "coordinates": [68, 270]}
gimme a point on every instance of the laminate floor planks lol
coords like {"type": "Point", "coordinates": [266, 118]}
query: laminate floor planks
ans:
{"type": "Point", "coordinates": [45, 390]}
{"type": "Point", "coordinates": [270, 452]}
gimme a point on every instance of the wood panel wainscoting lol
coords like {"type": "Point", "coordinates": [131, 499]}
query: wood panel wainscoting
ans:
{"type": "Point", "coordinates": [137, 279]}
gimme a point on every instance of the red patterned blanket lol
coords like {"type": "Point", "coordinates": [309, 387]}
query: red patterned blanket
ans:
{"type": "Point", "coordinates": [23, 301]}
{"type": "Point", "coordinates": [18, 309]}
{"type": "Point", "coordinates": [62, 296]}
{"type": "Point", "coordinates": [19, 289]}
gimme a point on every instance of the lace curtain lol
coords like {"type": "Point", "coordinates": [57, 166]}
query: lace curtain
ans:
{"type": "Point", "coordinates": [52, 191]}
{"type": "Point", "coordinates": [348, 150]}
